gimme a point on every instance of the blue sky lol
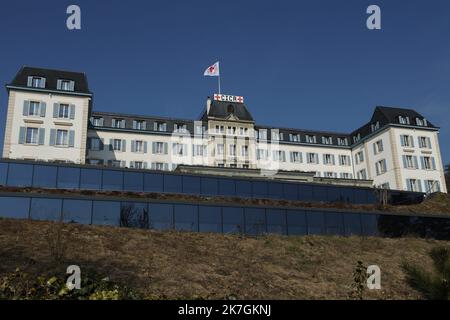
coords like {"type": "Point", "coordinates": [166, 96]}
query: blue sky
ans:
{"type": "Point", "coordinates": [302, 64]}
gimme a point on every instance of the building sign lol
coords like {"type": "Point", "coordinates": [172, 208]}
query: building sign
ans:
{"type": "Point", "coordinates": [228, 98]}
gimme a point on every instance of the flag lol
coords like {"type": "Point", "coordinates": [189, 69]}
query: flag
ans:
{"type": "Point", "coordinates": [213, 70]}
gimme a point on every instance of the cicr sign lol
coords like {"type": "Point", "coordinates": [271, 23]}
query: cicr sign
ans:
{"type": "Point", "coordinates": [228, 98]}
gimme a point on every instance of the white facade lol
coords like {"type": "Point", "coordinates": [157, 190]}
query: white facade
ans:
{"type": "Point", "coordinates": [45, 124]}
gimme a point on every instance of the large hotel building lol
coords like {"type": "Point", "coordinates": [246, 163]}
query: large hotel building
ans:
{"type": "Point", "coordinates": [50, 118]}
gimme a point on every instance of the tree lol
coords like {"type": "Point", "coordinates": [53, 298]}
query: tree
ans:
{"type": "Point", "coordinates": [432, 286]}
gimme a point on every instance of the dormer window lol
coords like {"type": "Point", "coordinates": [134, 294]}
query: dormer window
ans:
{"type": "Point", "coordinates": [421, 122]}
{"type": "Point", "coordinates": [97, 121]}
{"type": "Point", "coordinates": [139, 125]}
{"type": "Point", "coordinates": [310, 138]}
{"type": "Point", "coordinates": [357, 138]}
{"type": "Point", "coordinates": [160, 126]}
{"type": "Point", "coordinates": [294, 137]}
{"type": "Point", "coordinates": [118, 123]}
{"type": "Point", "coordinates": [375, 126]}
{"type": "Point", "coordinates": [36, 82]}
{"type": "Point", "coordinates": [327, 140]}
{"type": "Point", "coordinates": [342, 141]}
{"type": "Point", "coordinates": [277, 135]}
{"type": "Point", "coordinates": [65, 85]}
{"type": "Point", "coordinates": [261, 134]}
{"type": "Point", "coordinates": [180, 127]}
{"type": "Point", "coordinates": [403, 120]}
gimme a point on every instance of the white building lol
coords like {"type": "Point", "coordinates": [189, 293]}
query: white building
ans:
{"type": "Point", "coordinates": [50, 118]}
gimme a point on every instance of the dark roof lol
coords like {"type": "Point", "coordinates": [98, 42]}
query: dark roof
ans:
{"type": "Point", "coordinates": [51, 76]}
{"type": "Point", "coordinates": [223, 110]}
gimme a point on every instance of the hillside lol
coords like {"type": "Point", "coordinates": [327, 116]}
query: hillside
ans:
{"type": "Point", "coordinates": [175, 265]}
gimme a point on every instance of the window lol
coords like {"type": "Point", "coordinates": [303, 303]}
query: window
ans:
{"type": "Point", "coordinates": [327, 140]}
{"type": "Point", "coordinates": [328, 159]}
{"type": "Point", "coordinates": [118, 123]}
{"type": "Point", "coordinates": [160, 126]}
{"type": "Point", "coordinates": [34, 109]}
{"type": "Point", "coordinates": [159, 148]}
{"type": "Point", "coordinates": [115, 163]}
{"type": "Point", "coordinates": [294, 137]}
{"type": "Point", "coordinates": [199, 129]}
{"type": "Point", "coordinates": [232, 150]}
{"type": "Point", "coordinates": [36, 82]}
{"type": "Point", "coordinates": [199, 150]}
{"type": "Point", "coordinates": [244, 151]}
{"type": "Point", "coordinates": [261, 134]}
{"type": "Point", "coordinates": [359, 157]}
{"type": "Point", "coordinates": [406, 141]}
{"type": "Point", "coordinates": [96, 144]}
{"type": "Point", "coordinates": [432, 186]}
{"type": "Point", "coordinates": [342, 141]}
{"type": "Point", "coordinates": [421, 122]}
{"type": "Point", "coordinates": [233, 165]}
{"type": "Point", "coordinates": [428, 163]}
{"type": "Point", "coordinates": [279, 155]}
{"type": "Point", "coordinates": [220, 129]}
{"type": "Point", "coordinates": [262, 154]}
{"type": "Point", "coordinates": [403, 120]}
{"type": "Point", "coordinates": [361, 174]}
{"type": "Point", "coordinates": [243, 131]}
{"type": "Point", "coordinates": [31, 136]}
{"type": "Point", "coordinates": [64, 111]}
{"type": "Point", "coordinates": [276, 135]}
{"type": "Point", "coordinates": [220, 149]}
{"type": "Point", "coordinates": [117, 144]}
{"type": "Point", "coordinates": [312, 158]}
{"type": "Point", "coordinates": [380, 167]}
{"type": "Point", "coordinates": [179, 149]}
{"type": "Point", "coordinates": [245, 166]}
{"type": "Point", "coordinates": [385, 186]}
{"type": "Point", "coordinates": [424, 142]}
{"type": "Point", "coordinates": [310, 138]}
{"type": "Point", "coordinates": [221, 165]}
{"type": "Point", "coordinates": [97, 121]}
{"type": "Point", "coordinates": [346, 175]}
{"type": "Point", "coordinates": [414, 185]}
{"type": "Point", "coordinates": [139, 146]}
{"type": "Point", "coordinates": [378, 147]}
{"type": "Point", "coordinates": [375, 126]}
{"type": "Point", "coordinates": [296, 156]}
{"type": "Point", "coordinates": [356, 138]}
{"type": "Point", "coordinates": [344, 160]}
{"type": "Point", "coordinates": [139, 125]}
{"type": "Point", "coordinates": [62, 137]}
{"type": "Point", "coordinates": [231, 130]}
{"type": "Point", "coordinates": [329, 174]}
{"type": "Point", "coordinates": [65, 85]}
{"type": "Point", "coordinates": [160, 166]}
{"type": "Point", "coordinates": [180, 128]}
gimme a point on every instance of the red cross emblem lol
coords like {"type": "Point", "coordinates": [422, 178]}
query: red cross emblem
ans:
{"type": "Point", "coordinates": [218, 97]}
{"type": "Point", "coordinates": [240, 99]}
{"type": "Point", "coordinates": [212, 68]}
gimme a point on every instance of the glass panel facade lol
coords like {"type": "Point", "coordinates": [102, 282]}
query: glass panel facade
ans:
{"type": "Point", "coordinates": [112, 180]}
{"type": "Point", "coordinates": [210, 219]}
{"type": "Point", "coordinates": [133, 181]}
{"type": "Point", "coordinates": [45, 209]}
{"type": "Point", "coordinates": [68, 178]}
{"type": "Point", "coordinates": [14, 207]}
{"type": "Point", "coordinates": [161, 216]}
{"type": "Point", "coordinates": [296, 222]}
{"type": "Point", "coordinates": [186, 217]}
{"type": "Point", "coordinates": [77, 211]}
{"type": "Point", "coordinates": [153, 182]}
{"type": "Point", "coordinates": [134, 215]}
{"type": "Point", "coordinates": [276, 221]}
{"type": "Point", "coordinates": [20, 175]}
{"type": "Point", "coordinates": [44, 176]}
{"type": "Point", "coordinates": [91, 179]}
{"type": "Point", "coordinates": [255, 221]}
{"type": "Point", "coordinates": [106, 213]}
{"type": "Point", "coordinates": [233, 220]}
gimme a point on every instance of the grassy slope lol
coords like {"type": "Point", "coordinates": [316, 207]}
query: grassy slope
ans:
{"type": "Point", "coordinates": [189, 265]}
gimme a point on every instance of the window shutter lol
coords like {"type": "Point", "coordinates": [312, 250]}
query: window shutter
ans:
{"type": "Point", "coordinates": [41, 136]}
{"type": "Point", "coordinates": [134, 124]}
{"type": "Point", "coordinates": [153, 147]}
{"type": "Point", "coordinates": [377, 168]}
{"type": "Point", "coordinates": [43, 81]}
{"type": "Point", "coordinates": [300, 156]}
{"type": "Point", "coordinates": [408, 184]}
{"type": "Point", "coordinates": [89, 143]}
{"type": "Point", "coordinates": [419, 183]}
{"type": "Point", "coordinates": [145, 146]}
{"type": "Point", "coordinates": [165, 148]}
{"type": "Point", "coordinates": [122, 124]}
{"type": "Point", "coordinates": [55, 110]}
{"type": "Point", "coordinates": [26, 108]}
{"type": "Point", "coordinates": [144, 125]}
{"type": "Point", "coordinates": [429, 143]}
{"type": "Point", "coordinates": [375, 148]}
{"type": "Point", "coordinates": [111, 144]}
{"type": "Point", "coordinates": [102, 144]}
{"type": "Point", "coordinates": [101, 122]}
{"type": "Point", "coordinates": [124, 146]}
{"type": "Point", "coordinates": [43, 107]}
{"type": "Point", "coordinates": [72, 111]}
{"type": "Point", "coordinates": [291, 155]}
{"type": "Point", "coordinates": [58, 84]}
{"type": "Point", "coordinates": [438, 186]}
{"type": "Point", "coordinates": [405, 163]}
{"type": "Point", "coordinates": [52, 137]}
{"type": "Point", "coordinates": [381, 145]}
{"type": "Point", "coordinates": [30, 81]}
{"type": "Point", "coordinates": [324, 159]}
{"type": "Point", "coordinates": [22, 132]}
{"type": "Point", "coordinates": [416, 165]}
{"type": "Point", "coordinates": [133, 146]}
{"type": "Point", "coordinates": [333, 158]}
{"type": "Point", "coordinates": [166, 166]}
{"type": "Point", "coordinates": [422, 163]}
{"type": "Point", "coordinates": [71, 138]}
{"type": "Point", "coordinates": [433, 163]}
{"type": "Point", "coordinates": [155, 128]}
{"type": "Point", "coordinates": [402, 141]}
{"type": "Point", "coordinates": [412, 141]}
{"type": "Point", "coordinates": [72, 86]}
{"type": "Point", "coordinates": [131, 164]}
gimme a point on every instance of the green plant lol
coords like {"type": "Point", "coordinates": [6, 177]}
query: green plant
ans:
{"type": "Point", "coordinates": [359, 282]}
{"type": "Point", "coordinates": [434, 285]}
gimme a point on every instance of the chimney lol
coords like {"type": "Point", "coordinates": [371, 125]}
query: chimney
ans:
{"type": "Point", "coordinates": [208, 105]}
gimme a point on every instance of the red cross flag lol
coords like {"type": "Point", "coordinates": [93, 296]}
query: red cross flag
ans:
{"type": "Point", "coordinates": [212, 70]}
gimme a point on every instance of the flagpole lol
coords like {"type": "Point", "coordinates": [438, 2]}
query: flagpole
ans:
{"type": "Point", "coordinates": [218, 78]}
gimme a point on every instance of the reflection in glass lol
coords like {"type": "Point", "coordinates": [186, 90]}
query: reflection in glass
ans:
{"type": "Point", "coordinates": [296, 222]}
{"type": "Point", "coordinates": [161, 216]}
{"type": "Point", "coordinates": [210, 219]}
{"type": "Point", "coordinates": [20, 175]}
{"type": "Point", "coordinates": [45, 209]}
{"type": "Point", "coordinates": [134, 215]}
{"type": "Point", "coordinates": [316, 222]}
{"type": "Point", "coordinates": [153, 182]}
{"type": "Point", "coordinates": [133, 181]}
{"type": "Point", "coordinates": [186, 217]}
{"type": "Point", "coordinates": [276, 221]}
{"type": "Point", "coordinates": [255, 221]}
{"type": "Point", "coordinates": [233, 220]}
{"type": "Point", "coordinates": [91, 179]}
{"type": "Point", "coordinates": [77, 211]}
{"type": "Point", "coordinates": [106, 213]}
{"type": "Point", "coordinates": [112, 180]}
{"type": "Point", "coordinates": [191, 185]}
{"type": "Point", "coordinates": [44, 176]}
{"type": "Point", "coordinates": [14, 207]}
{"type": "Point", "coordinates": [172, 183]}
{"type": "Point", "coordinates": [68, 178]}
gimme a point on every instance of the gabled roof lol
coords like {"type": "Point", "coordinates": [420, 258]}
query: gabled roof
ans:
{"type": "Point", "coordinates": [51, 76]}
{"type": "Point", "coordinates": [228, 110]}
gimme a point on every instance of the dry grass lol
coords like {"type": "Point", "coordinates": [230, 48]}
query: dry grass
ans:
{"type": "Point", "coordinates": [189, 265]}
